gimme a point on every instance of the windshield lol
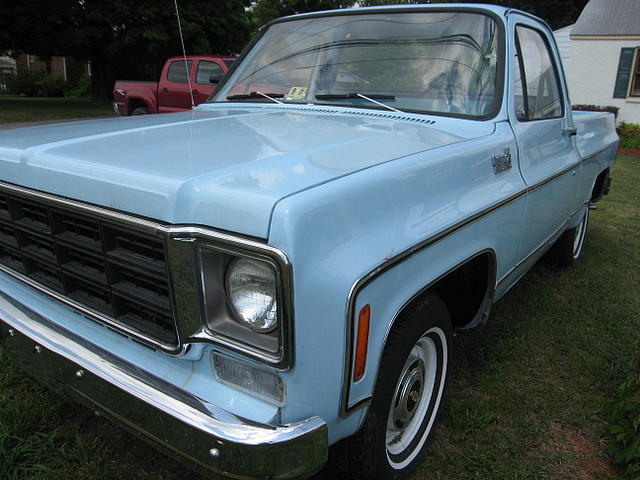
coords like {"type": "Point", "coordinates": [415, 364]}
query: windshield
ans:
{"type": "Point", "coordinates": [435, 62]}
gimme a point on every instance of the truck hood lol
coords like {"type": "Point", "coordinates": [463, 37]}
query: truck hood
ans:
{"type": "Point", "coordinates": [224, 166]}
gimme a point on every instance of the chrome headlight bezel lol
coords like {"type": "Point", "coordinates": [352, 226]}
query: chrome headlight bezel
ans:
{"type": "Point", "coordinates": [221, 323]}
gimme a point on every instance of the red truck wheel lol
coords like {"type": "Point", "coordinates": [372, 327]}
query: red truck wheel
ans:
{"type": "Point", "coordinates": [140, 111]}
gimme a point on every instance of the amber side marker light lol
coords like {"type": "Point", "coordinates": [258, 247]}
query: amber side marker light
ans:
{"type": "Point", "coordinates": [364, 318]}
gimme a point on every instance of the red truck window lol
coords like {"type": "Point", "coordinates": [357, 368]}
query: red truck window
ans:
{"type": "Point", "coordinates": [177, 72]}
{"type": "Point", "coordinates": [205, 70]}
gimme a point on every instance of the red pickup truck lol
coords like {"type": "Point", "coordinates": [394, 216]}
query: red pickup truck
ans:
{"type": "Point", "coordinates": [171, 94]}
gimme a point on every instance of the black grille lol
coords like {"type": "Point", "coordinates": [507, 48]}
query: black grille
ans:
{"type": "Point", "coordinates": [113, 269]}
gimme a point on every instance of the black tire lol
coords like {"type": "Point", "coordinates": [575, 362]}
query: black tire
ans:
{"type": "Point", "coordinates": [140, 111]}
{"type": "Point", "coordinates": [568, 247]}
{"type": "Point", "coordinates": [380, 450]}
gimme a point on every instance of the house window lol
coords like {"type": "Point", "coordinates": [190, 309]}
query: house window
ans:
{"type": "Point", "coordinates": [634, 91]}
{"type": "Point", "coordinates": [628, 76]}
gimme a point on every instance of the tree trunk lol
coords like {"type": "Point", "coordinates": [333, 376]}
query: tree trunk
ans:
{"type": "Point", "coordinates": [101, 82]}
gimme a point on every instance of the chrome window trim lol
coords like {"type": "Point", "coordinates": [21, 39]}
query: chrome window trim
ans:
{"type": "Point", "coordinates": [181, 242]}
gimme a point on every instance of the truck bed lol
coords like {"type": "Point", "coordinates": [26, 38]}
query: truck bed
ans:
{"type": "Point", "coordinates": [595, 129]}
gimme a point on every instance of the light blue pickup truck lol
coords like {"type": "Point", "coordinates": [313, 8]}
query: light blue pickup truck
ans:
{"type": "Point", "coordinates": [283, 268]}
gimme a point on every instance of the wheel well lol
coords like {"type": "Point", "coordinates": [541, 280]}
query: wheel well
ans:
{"type": "Point", "coordinates": [135, 103]}
{"type": "Point", "coordinates": [467, 291]}
{"type": "Point", "coordinates": [599, 187]}
{"type": "Point", "coordinates": [464, 290]}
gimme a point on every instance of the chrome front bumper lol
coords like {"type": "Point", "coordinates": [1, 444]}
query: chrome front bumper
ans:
{"type": "Point", "coordinates": [209, 437]}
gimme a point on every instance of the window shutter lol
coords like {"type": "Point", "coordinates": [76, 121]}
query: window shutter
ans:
{"type": "Point", "coordinates": [624, 73]}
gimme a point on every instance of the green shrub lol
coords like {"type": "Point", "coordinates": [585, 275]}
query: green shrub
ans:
{"type": "Point", "coordinates": [36, 83]}
{"type": "Point", "coordinates": [625, 423]}
{"type": "Point", "coordinates": [629, 135]}
{"type": "Point", "coordinates": [25, 83]}
{"type": "Point", "coordinates": [51, 86]}
{"type": "Point", "coordinates": [82, 88]}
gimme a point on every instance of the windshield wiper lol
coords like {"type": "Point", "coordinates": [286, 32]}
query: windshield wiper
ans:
{"type": "Point", "coordinates": [329, 96]}
{"type": "Point", "coordinates": [257, 94]}
{"type": "Point", "coordinates": [340, 96]}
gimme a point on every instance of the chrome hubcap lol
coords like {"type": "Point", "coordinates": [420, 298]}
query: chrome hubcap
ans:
{"type": "Point", "coordinates": [408, 397]}
{"type": "Point", "coordinates": [412, 395]}
{"type": "Point", "coordinates": [579, 236]}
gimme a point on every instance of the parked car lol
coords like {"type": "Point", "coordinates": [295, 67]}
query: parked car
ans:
{"type": "Point", "coordinates": [282, 270]}
{"type": "Point", "coordinates": [182, 79]}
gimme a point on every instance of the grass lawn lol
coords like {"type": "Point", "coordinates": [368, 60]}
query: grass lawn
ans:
{"type": "Point", "coordinates": [26, 109]}
{"type": "Point", "coordinates": [526, 398]}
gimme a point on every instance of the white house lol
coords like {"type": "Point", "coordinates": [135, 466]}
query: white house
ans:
{"type": "Point", "coordinates": [563, 40]}
{"type": "Point", "coordinates": [604, 64]}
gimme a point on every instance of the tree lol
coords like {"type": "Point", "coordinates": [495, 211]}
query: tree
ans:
{"type": "Point", "coordinates": [119, 37]}
{"type": "Point", "coordinates": [558, 13]}
{"type": "Point", "coordinates": [263, 11]}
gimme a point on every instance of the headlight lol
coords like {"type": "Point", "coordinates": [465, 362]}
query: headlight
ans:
{"type": "Point", "coordinates": [245, 304]}
{"type": "Point", "coordinates": [251, 290]}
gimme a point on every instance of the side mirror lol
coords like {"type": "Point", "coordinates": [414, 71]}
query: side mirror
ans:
{"type": "Point", "coordinates": [215, 78]}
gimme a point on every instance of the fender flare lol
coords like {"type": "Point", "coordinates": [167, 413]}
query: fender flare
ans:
{"type": "Point", "coordinates": [139, 99]}
{"type": "Point", "coordinates": [480, 319]}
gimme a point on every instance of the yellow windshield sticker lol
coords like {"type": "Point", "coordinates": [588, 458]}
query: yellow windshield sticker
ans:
{"type": "Point", "coordinates": [296, 93]}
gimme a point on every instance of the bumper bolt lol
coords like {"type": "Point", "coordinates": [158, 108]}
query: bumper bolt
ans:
{"type": "Point", "coordinates": [80, 373]}
{"type": "Point", "coordinates": [214, 452]}
{"type": "Point", "coordinates": [37, 349]}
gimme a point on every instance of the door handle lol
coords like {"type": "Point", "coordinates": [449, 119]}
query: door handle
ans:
{"type": "Point", "coordinates": [195, 91]}
{"type": "Point", "coordinates": [500, 163]}
{"type": "Point", "coordinates": [569, 132]}
{"type": "Point", "coordinates": [165, 89]}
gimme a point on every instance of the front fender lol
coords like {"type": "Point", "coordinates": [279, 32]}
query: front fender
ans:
{"type": "Point", "coordinates": [339, 232]}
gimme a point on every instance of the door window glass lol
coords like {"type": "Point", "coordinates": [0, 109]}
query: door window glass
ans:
{"type": "Point", "coordinates": [537, 92]}
{"type": "Point", "coordinates": [178, 73]}
{"type": "Point", "coordinates": [205, 70]}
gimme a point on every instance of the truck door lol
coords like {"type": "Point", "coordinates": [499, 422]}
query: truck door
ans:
{"type": "Point", "coordinates": [173, 90]}
{"type": "Point", "coordinates": [203, 86]}
{"type": "Point", "coordinates": [541, 118]}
